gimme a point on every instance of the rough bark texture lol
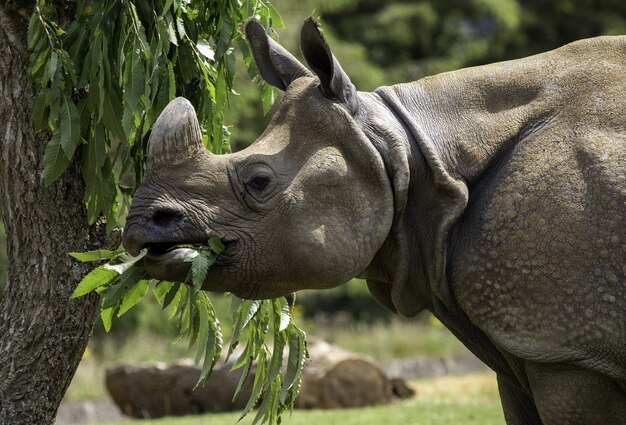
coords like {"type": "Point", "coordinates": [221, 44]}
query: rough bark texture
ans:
{"type": "Point", "coordinates": [42, 333]}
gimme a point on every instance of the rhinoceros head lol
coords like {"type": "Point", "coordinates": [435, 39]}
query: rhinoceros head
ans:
{"type": "Point", "coordinates": [307, 205]}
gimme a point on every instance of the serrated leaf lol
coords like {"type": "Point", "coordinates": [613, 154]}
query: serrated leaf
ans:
{"type": "Point", "coordinates": [268, 97]}
{"type": "Point", "coordinates": [130, 121]}
{"type": "Point", "coordinates": [69, 126]}
{"type": "Point", "coordinates": [285, 316]}
{"type": "Point", "coordinates": [54, 160]}
{"type": "Point", "coordinates": [171, 31]}
{"type": "Point", "coordinates": [216, 245]}
{"type": "Point", "coordinates": [203, 331]}
{"type": "Point", "coordinates": [100, 190]}
{"type": "Point", "coordinates": [277, 20]}
{"type": "Point", "coordinates": [94, 279]}
{"type": "Point", "coordinates": [134, 76]}
{"type": "Point", "coordinates": [246, 363]}
{"type": "Point", "coordinates": [112, 115]}
{"type": "Point", "coordinates": [257, 386]}
{"type": "Point", "coordinates": [225, 37]}
{"type": "Point", "coordinates": [295, 364]}
{"type": "Point", "coordinates": [206, 50]}
{"type": "Point", "coordinates": [115, 294]}
{"type": "Point", "coordinates": [161, 289]}
{"type": "Point", "coordinates": [96, 255]}
{"type": "Point", "coordinates": [41, 59]}
{"type": "Point", "coordinates": [171, 85]}
{"type": "Point", "coordinates": [40, 111]}
{"type": "Point", "coordinates": [170, 296]}
{"type": "Point", "coordinates": [180, 26]}
{"type": "Point", "coordinates": [35, 31]}
{"type": "Point", "coordinates": [51, 66]}
{"type": "Point", "coordinates": [268, 408]}
{"type": "Point", "coordinates": [106, 314]}
{"type": "Point", "coordinates": [133, 296]}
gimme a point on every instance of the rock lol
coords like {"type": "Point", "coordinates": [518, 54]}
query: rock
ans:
{"type": "Point", "coordinates": [332, 378]}
{"type": "Point", "coordinates": [156, 390]}
{"type": "Point", "coordinates": [335, 378]}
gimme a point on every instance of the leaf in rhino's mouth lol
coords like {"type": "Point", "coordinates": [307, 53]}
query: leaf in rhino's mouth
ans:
{"type": "Point", "coordinates": [160, 248]}
{"type": "Point", "coordinates": [123, 282]}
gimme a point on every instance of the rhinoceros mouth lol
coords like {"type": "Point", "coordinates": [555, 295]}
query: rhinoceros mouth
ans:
{"type": "Point", "coordinates": [169, 260]}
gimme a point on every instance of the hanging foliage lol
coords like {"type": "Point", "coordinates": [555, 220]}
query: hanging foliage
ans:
{"type": "Point", "coordinates": [104, 78]}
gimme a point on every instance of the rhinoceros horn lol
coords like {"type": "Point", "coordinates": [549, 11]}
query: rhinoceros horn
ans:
{"type": "Point", "coordinates": [175, 135]}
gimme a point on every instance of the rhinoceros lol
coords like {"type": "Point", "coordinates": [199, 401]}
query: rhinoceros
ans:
{"type": "Point", "coordinates": [494, 197]}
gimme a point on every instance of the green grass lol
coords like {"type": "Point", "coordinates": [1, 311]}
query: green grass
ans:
{"type": "Point", "coordinates": [452, 400]}
{"type": "Point", "coordinates": [399, 338]}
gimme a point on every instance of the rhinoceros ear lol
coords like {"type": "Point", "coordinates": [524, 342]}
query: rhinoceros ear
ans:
{"type": "Point", "coordinates": [335, 83]}
{"type": "Point", "coordinates": [276, 65]}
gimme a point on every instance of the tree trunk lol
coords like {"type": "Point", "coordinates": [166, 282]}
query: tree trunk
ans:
{"type": "Point", "coordinates": [42, 332]}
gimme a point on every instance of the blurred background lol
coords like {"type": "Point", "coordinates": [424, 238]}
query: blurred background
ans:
{"type": "Point", "coordinates": [378, 42]}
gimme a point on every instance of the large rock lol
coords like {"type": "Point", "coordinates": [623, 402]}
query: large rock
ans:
{"type": "Point", "coordinates": [155, 390]}
{"type": "Point", "coordinates": [332, 378]}
{"type": "Point", "coordinates": [335, 378]}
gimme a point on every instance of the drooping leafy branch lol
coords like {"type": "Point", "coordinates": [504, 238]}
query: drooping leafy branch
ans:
{"type": "Point", "coordinates": [103, 79]}
{"type": "Point", "coordinates": [122, 283]}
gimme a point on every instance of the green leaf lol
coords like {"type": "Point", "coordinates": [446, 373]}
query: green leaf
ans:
{"type": "Point", "coordinates": [203, 331]}
{"type": "Point", "coordinates": [51, 67]}
{"type": "Point", "coordinates": [170, 295]}
{"type": "Point", "coordinates": [40, 111]}
{"type": "Point", "coordinates": [171, 81]}
{"type": "Point", "coordinates": [106, 314]}
{"type": "Point", "coordinates": [133, 296]}
{"type": "Point", "coordinates": [100, 190]}
{"type": "Point", "coordinates": [112, 115]}
{"type": "Point", "coordinates": [41, 59]}
{"type": "Point", "coordinates": [54, 160]}
{"type": "Point", "coordinates": [277, 20]}
{"type": "Point", "coordinates": [94, 279]}
{"type": "Point", "coordinates": [96, 255]}
{"type": "Point", "coordinates": [35, 31]}
{"type": "Point", "coordinates": [161, 288]}
{"type": "Point", "coordinates": [268, 97]}
{"type": "Point", "coordinates": [70, 126]}
{"type": "Point", "coordinates": [226, 35]}
{"type": "Point", "coordinates": [134, 76]}
{"type": "Point", "coordinates": [257, 387]}
{"type": "Point", "coordinates": [206, 50]}
{"type": "Point", "coordinates": [114, 295]}
{"type": "Point", "coordinates": [171, 31]}
{"type": "Point", "coordinates": [295, 365]}
{"type": "Point", "coordinates": [180, 26]}
{"type": "Point", "coordinates": [283, 313]}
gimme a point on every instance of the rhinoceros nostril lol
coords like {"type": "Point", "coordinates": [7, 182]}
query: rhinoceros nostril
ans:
{"type": "Point", "coordinates": [165, 218]}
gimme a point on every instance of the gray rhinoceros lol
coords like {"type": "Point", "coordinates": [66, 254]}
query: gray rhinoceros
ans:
{"type": "Point", "coordinates": [492, 196]}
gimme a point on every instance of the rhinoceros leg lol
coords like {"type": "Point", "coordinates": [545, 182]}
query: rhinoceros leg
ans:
{"type": "Point", "coordinates": [567, 395]}
{"type": "Point", "coordinates": [519, 408]}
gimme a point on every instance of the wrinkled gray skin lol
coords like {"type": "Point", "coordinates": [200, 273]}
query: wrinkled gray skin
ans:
{"type": "Point", "coordinates": [492, 196]}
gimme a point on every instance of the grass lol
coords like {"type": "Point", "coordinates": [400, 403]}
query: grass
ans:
{"type": "Point", "coordinates": [469, 400]}
{"type": "Point", "coordinates": [397, 339]}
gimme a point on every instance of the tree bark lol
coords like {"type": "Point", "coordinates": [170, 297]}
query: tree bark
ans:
{"type": "Point", "coordinates": [42, 332]}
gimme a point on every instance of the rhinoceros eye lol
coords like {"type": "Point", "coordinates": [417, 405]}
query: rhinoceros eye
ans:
{"type": "Point", "coordinates": [259, 182]}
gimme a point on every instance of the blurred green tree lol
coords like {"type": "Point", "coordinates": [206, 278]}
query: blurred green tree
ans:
{"type": "Point", "coordinates": [414, 38]}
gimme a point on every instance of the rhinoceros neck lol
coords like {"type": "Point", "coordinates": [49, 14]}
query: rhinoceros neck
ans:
{"type": "Point", "coordinates": [457, 126]}
{"type": "Point", "coordinates": [469, 117]}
